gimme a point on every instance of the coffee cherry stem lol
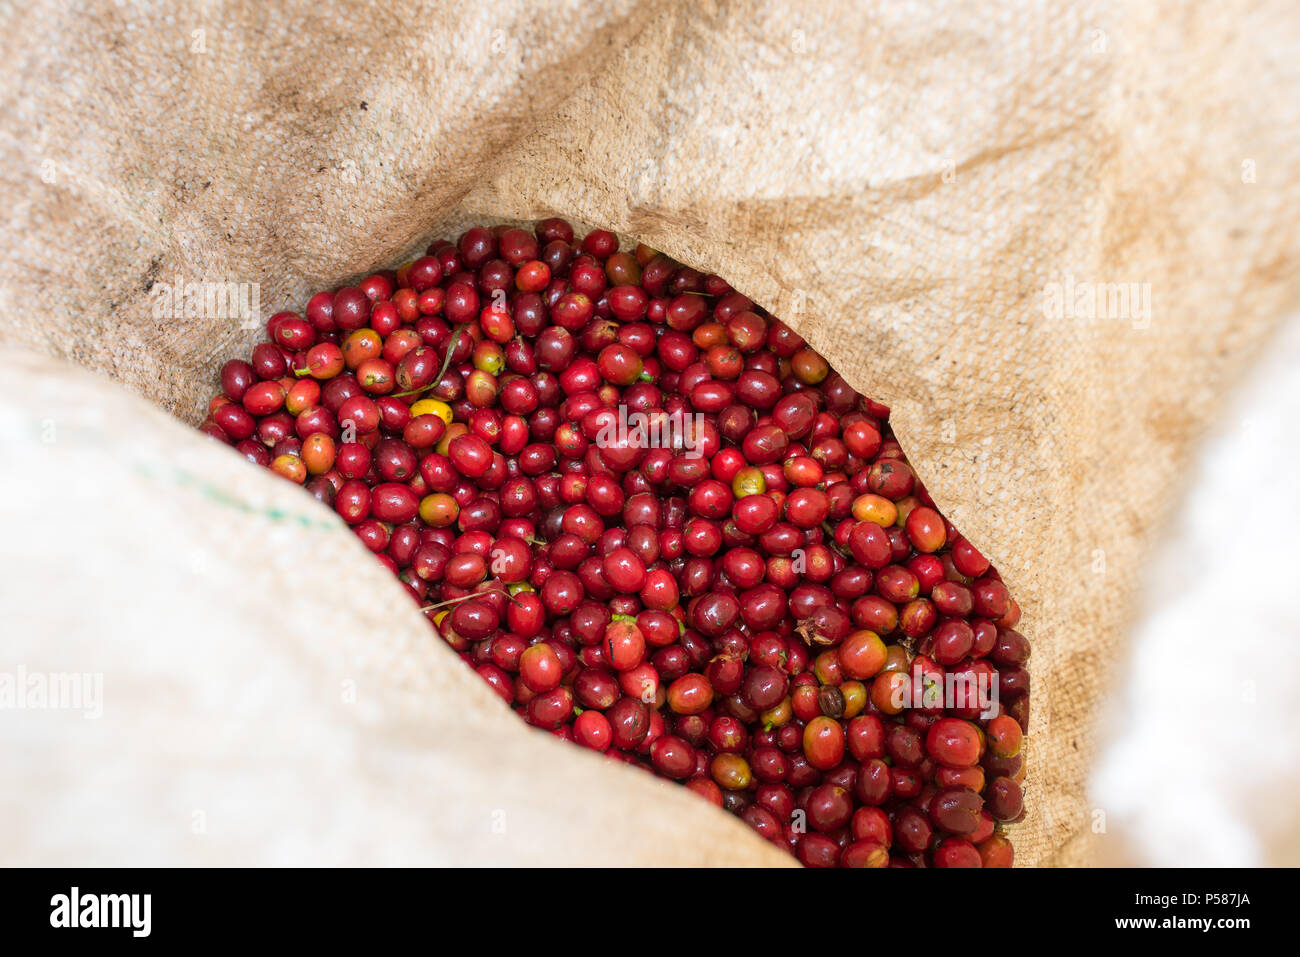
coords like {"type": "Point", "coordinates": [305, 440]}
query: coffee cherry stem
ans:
{"type": "Point", "coordinates": [472, 595]}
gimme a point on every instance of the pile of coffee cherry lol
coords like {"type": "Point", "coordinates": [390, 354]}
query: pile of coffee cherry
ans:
{"type": "Point", "coordinates": [659, 525]}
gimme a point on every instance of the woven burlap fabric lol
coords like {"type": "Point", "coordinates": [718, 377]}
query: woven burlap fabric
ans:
{"type": "Point", "coordinates": [906, 183]}
{"type": "Point", "coordinates": [266, 692]}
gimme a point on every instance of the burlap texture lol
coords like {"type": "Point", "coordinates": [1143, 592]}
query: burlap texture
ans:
{"type": "Point", "coordinates": [900, 181]}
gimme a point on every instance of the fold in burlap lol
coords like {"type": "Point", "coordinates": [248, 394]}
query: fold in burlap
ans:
{"type": "Point", "coordinates": [910, 185]}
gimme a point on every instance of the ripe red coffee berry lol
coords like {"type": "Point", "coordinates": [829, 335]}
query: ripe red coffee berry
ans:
{"type": "Point", "coordinates": [672, 757]}
{"type": "Point", "coordinates": [953, 743]}
{"type": "Point", "coordinates": [956, 810]}
{"type": "Point", "coordinates": [629, 722]}
{"type": "Point", "coordinates": [690, 694]}
{"type": "Point", "coordinates": [925, 529]}
{"type": "Point", "coordinates": [1004, 799]}
{"type": "Point", "coordinates": [955, 852]}
{"type": "Point", "coordinates": [539, 667]}
{"type": "Point", "coordinates": [1004, 736]}
{"type": "Point", "coordinates": [624, 570]}
{"type": "Point", "coordinates": [591, 728]}
{"type": "Point", "coordinates": [823, 743]}
{"type": "Point", "coordinates": [470, 455]}
{"type": "Point", "coordinates": [870, 545]}
{"type": "Point", "coordinates": [624, 645]}
{"type": "Point", "coordinates": [967, 559]}
{"type": "Point", "coordinates": [658, 524]}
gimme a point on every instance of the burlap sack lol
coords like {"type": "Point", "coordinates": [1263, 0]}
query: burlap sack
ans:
{"type": "Point", "coordinates": [929, 192]}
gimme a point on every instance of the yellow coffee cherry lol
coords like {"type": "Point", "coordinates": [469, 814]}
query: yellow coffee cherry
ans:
{"type": "Point", "coordinates": [432, 407]}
